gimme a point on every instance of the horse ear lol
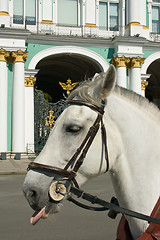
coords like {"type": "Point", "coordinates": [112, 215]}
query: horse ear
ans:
{"type": "Point", "coordinates": [105, 83]}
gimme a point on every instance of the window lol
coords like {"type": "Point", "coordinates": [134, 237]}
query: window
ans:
{"type": "Point", "coordinates": [155, 16]}
{"type": "Point", "coordinates": [103, 15]}
{"type": "Point", "coordinates": [109, 15]}
{"type": "Point", "coordinates": [68, 12]}
{"type": "Point", "coordinates": [29, 17]}
{"type": "Point", "coordinates": [30, 12]}
{"type": "Point", "coordinates": [114, 16]}
{"type": "Point", "coordinates": [18, 13]}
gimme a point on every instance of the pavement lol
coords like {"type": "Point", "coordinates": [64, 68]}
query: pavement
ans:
{"type": "Point", "coordinates": [11, 166]}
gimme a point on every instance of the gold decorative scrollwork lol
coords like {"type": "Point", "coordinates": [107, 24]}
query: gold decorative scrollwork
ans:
{"type": "Point", "coordinates": [18, 56]}
{"type": "Point", "coordinates": [4, 55]}
{"type": "Point", "coordinates": [30, 81]}
{"type": "Point", "coordinates": [50, 119]}
{"type": "Point", "coordinates": [144, 84]}
{"type": "Point", "coordinates": [120, 61]}
{"type": "Point", "coordinates": [136, 62]}
{"type": "Point", "coordinates": [68, 86]}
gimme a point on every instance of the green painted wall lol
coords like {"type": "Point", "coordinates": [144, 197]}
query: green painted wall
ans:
{"type": "Point", "coordinates": [33, 49]}
{"type": "Point", "coordinates": [147, 53]}
{"type": "Point", "coordinates": [9, 108]}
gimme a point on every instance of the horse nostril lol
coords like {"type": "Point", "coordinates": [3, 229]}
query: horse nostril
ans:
{"type": "Point", "coordinates": [33, 198]}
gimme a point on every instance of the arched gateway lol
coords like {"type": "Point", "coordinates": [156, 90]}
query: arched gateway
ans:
{"type": "Point", "coordinates": [59, 70]}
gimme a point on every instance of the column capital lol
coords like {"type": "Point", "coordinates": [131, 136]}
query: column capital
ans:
{"type": "Point", "coordinates": [30, 81]}
{"type": "Point", "coordinates": [120, 61]}
{"type": "Point", "coordinates": [18, 56]}
{"type": "Point", "coordinates": [136, 62]}
{"type": "Point", "coordinates": [144, 84]}
{"type": "Point", "coordinates": [4, 55]}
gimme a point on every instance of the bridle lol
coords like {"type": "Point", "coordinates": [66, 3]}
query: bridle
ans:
{"type": "Point", "coordinates": [76, 161]}
{"type": "Point", "coordinates": [80, 154]}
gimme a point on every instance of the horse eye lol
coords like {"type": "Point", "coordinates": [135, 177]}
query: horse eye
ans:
{"type": "Point", "coordinates": [73, 129]}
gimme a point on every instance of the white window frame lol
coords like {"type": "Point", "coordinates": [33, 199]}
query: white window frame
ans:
{"type": "Point", "coordinates": [108, 14]}
{"type": "Point", "coordinates": [24, 17]}
{"type": "Point", "coordinates": [156, 4]}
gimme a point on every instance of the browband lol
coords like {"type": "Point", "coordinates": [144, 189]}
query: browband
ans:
{"type": "Point", "coordinates": [90, 105]}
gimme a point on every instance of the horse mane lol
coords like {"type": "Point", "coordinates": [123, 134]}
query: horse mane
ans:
{"type": "Point", "coordinates": [82, 92]}
{"type": "Point", "coordinates": [140, 102]}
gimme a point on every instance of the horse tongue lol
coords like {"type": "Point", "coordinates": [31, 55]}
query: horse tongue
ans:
{"type": "Point", "coordinates": [37, 216]}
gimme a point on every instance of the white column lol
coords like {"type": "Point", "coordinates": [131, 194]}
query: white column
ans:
{"type": "Point", "coordinates": [135, 83]}
{"type": "Point", "coordinates": [4, 13]}
{"type": "Point", "coordinates": [142, 10]}
{"type": "Point", "coordinates": [135, 74]}
{"type": "Point", "coordinates": [29, 109]}
{"type": "Point", "coordinates": [3, 100]}
{"type": "Point", "coordinates": [18, 110]}
{"type": "Point", "coordinates": [121, 63]}
{"type": "Point", "coordinates": [121, 77]}
{"type": "Point", "coordinates": [133, 11]}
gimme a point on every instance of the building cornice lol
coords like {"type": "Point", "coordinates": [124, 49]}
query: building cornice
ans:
{"type": "Point", "coordinates": [12, 32]}
{"type": "Point", "coordinates": [60, 40]}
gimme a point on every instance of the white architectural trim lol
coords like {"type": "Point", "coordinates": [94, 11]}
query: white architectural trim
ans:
{"type": "Point", "coordinates": [149, 60]}
{"type": "Point", "coordinates": [68, 49]}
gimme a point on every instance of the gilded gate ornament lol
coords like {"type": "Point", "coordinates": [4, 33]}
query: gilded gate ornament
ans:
{"type": "Point", "coordinates": [50, 119]}
{"type": "Point", "coordinates": [68, 86]}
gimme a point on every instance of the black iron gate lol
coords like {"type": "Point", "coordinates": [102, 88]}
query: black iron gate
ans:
{"type": "Point", "coordinates": [45, 116]}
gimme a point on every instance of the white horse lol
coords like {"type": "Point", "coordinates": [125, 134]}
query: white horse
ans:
{"type": "Point", "coordinates": [133, 136]}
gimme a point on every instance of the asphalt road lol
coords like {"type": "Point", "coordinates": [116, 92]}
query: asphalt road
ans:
{"type": "Point", "coordinates": [72, 223]}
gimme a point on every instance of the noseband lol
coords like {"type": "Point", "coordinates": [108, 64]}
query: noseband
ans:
{"type": "Point", "coordinates": [81, 151]}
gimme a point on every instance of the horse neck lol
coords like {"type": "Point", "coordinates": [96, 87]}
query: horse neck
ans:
{"type": "Point", "coordinates": [135, 172]}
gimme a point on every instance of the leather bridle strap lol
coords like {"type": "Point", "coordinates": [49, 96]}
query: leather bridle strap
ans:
{"type": "Point", "coordinates": [107, 205]}
{"type": "Point", "coordinates": [48, 168]}
{"type": "Point", "coordinates": [84, 148]}
{"type": "Point", "coordinates": [81, 151]}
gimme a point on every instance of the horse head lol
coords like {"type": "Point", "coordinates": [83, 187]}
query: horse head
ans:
{"type": "Point", "coordinates": [77, 150]}
{"type": "Point", "coordinates": [66, 137]}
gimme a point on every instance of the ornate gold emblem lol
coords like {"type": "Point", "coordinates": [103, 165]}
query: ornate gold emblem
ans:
{"type": "Point", "coordinates": [50, 119]}
{"type": "Point", "coordinates": [68, 86]}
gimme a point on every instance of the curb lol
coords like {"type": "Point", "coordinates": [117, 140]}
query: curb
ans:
{"type": "Point", "coordinates": [14, 173]}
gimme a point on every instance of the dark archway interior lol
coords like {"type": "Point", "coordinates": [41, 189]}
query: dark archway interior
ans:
{"type": "Point", "coordinates": [58, 68]}
{"type": "Point", "coordinates": [153, 89]}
